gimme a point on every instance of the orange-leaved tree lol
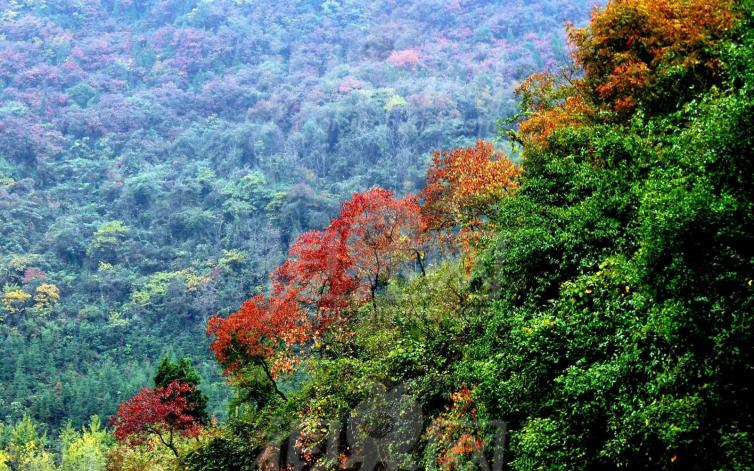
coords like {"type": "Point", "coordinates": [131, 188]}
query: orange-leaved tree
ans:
{"type": "Point", "coordinates": [463, 186]}
{"type": "Point", "coordinates": [652, 51]}
{"type": "Point", "coordinates": [649, 53]}
{"type": "Point", "coordinates": [551, 102]}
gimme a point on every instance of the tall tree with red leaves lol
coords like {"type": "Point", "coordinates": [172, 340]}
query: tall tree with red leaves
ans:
{"type": "Point", "coordinates": [384, 234]}
{"type": "Point", "coordinates": [327, 274]}
{"type": "Point", "coordinates": [256, 332]}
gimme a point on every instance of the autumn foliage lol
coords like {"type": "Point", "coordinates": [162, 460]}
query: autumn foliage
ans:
{"type": "Point", "coordinates": [634, 49]}
{"type": "Point", "coordinates": [327, 274]}
{"type": "Point", "coordinates": [161, 412]}
{"type": "Point", "coordinates": [376, 236]}
{"type": "Point", "coordinates": [462, 187]}
{"type": "Point", "coordinates": [634, 52]}
{"type": "Point", "coordinates": [550, 103]}
{"type": "Point", "coordinates": [254, 333]}
{"type": "Point", "coordinates": [566, 259]}
{"type": "Point", "coordinates": [408, 58]}
{"type": "Point", "coordinates": [316, 276]}
{"type": "Point", "coordinates": [384, 234]}
{"type": "Point", "coordinates": [327, 271]}
{"type": "Point", "coordinates": [454, 433]}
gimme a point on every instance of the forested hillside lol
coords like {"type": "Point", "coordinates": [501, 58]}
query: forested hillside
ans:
{"type": "Point", "coordinates": [568, 286]}
{"type": "Point", "coordinates": [158, 157]}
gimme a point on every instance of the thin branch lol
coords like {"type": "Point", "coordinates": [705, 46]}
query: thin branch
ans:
{"type": "Point", "coordinates": [267, 372]}
{"type": "Point", "coordinates": [169, 444]}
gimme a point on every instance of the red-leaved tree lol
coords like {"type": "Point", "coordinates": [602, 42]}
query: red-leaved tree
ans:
{"type": "Point", "coordinates": [257, 333]}
{"type": "Point", "coordinates": [327, 275]}
{"type": "Point", "coordinates": [317, 276]}
{"type": "Point", "coordinates": [373, 238]}
{"type": "Point", "coordinates": [384, 235]}
{"type": "Point", "coordinates": [162, 412]}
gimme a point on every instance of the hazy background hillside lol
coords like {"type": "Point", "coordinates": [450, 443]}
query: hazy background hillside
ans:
{"type": "Point", "coordinates": [158, 157]}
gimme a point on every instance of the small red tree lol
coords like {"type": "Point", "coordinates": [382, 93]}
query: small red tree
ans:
{"type": "Point", "coordinates": [256, 332]}
{"type": "Point", "coordinates": [162, 412]}
{"type": "Point", "coordinates": [32, 274]}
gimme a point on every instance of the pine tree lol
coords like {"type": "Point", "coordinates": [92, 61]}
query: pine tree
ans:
{"type": "Point", "coordinates": [184, 373]}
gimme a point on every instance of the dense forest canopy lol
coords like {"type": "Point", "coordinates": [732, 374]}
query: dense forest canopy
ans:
{"type": "Point", "coordinates": [567, 285]}
{"type": "Point", "coordinates": [158, 158]}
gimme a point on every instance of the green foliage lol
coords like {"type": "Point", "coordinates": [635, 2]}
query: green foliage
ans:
{"type": "Point", "coordinates": [608, 322]}
{"type": "Point", "coordinates": [85, 451]}
{"type": "Point", "coordinates": [83, 94]}
{"type": "Point", "coordinates": [622, 297]}
{"type": "Point", "coordinates": [108, 238]}
{"type": "Point", "coordinates": [182, 371]}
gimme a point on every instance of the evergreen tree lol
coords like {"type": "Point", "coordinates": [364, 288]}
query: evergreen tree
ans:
{"type": "Point", "coordinates": [183, 372]}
